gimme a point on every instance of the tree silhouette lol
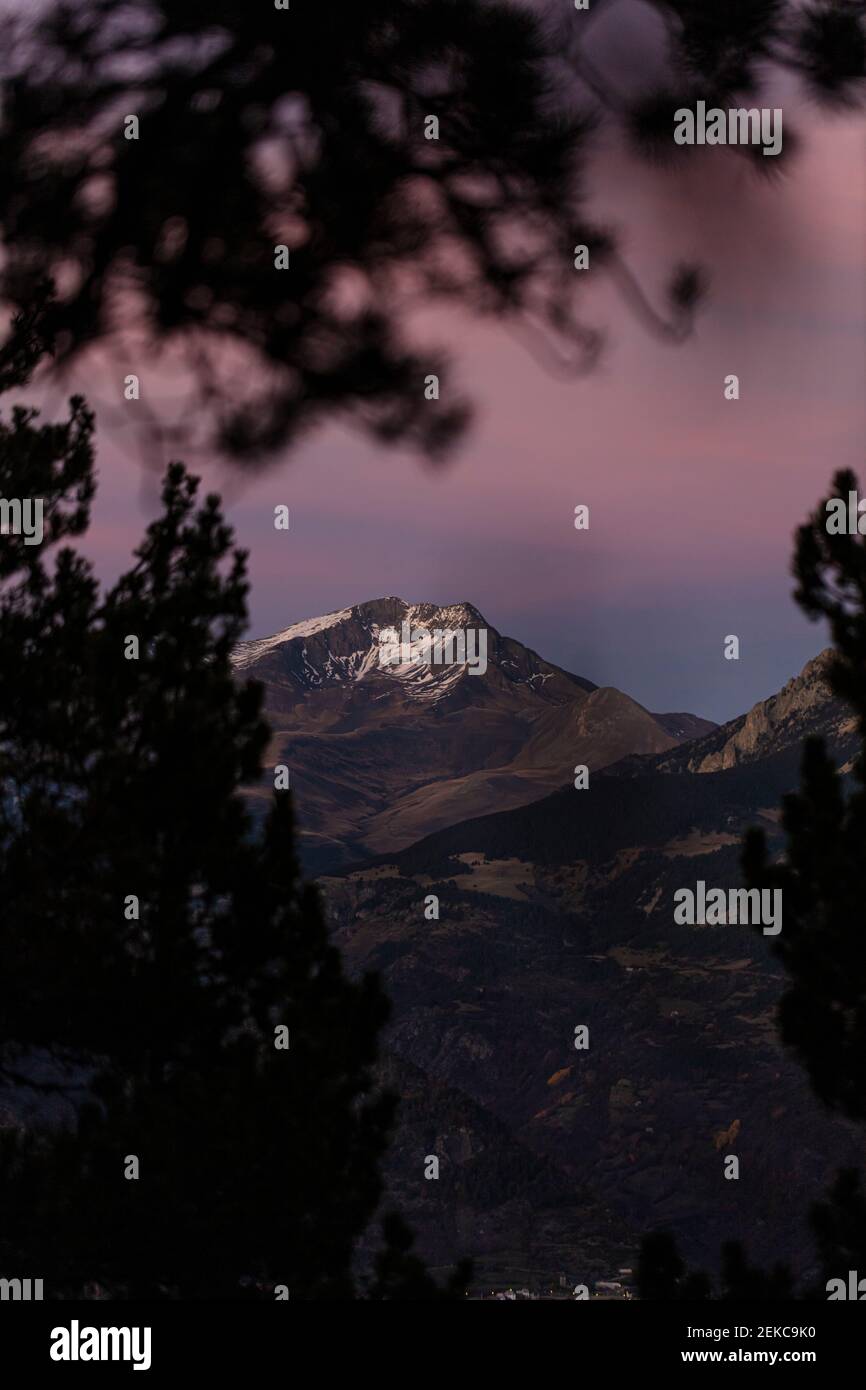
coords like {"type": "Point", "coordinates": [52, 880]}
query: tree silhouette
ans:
{"type": "Point", "coordinates": [156, 949]}
{"type": "Point", "coordinates": [822, 945]}
{"type": "Point", "coordinates": [154, 154]}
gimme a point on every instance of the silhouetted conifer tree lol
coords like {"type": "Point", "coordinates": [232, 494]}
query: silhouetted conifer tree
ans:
{"type": "Point", "coordinates": [822, 944]}
{"type": "Point", "coordinates": [158, 952]}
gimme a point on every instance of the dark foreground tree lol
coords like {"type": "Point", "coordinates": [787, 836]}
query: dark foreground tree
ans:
{"type": "Point", "coordinates": [822, 945]}
{"type": "Point", "coordinates": [159, 954]}
{"type": "Point", "coordinates": [155, 154]}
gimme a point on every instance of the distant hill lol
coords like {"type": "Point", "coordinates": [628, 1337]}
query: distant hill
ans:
{"type": "Point", "coordinates": [559, 914]}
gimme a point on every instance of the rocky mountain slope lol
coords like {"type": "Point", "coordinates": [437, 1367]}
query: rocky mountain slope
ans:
{"type": "Point", "coordinates": [803, 707]}
{"type": "Point", "coordinates": [381, 752]}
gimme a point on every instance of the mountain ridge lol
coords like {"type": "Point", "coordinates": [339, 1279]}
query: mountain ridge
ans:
{"type": "Point", "coordinates": [804, 706]}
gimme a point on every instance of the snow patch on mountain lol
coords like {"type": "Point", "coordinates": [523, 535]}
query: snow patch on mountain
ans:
{"type": "Point", "coordinates": [248, 652]}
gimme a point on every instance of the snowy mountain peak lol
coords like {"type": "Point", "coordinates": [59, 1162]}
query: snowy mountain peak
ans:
{"type": "Point", "coordinates": [417, 651]}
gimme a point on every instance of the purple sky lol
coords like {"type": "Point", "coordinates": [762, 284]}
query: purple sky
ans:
{"type": "Point", "coordinates": [693, 499]}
